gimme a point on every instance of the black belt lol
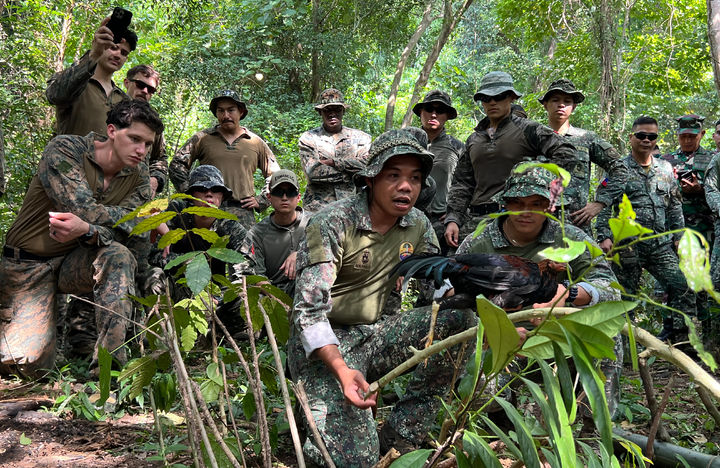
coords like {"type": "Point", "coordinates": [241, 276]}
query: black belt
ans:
{"type": "Point", "coordinates": [20, 254]}
{"type": "Point", "coordinates": [485, 208]}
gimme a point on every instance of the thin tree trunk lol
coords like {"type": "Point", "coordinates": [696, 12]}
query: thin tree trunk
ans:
{"type": "Point", "coordinates": [315, 59]}
{"type": "Point", "coordinates": [713, 20]}
{"type": "Point", "coordinates": [450, 21]}
{"type": "Point", "coordinates": [605, 27]}
{"type": "Point", "coordinates": [424, 23]}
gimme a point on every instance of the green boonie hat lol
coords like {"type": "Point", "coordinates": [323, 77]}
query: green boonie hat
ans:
{"type": "Point", "coordinates": [207, 177]}
{"type": "Point", "coordinates": [436, 96]}
{"type": "Point", "coordinates": [534, 181]}
{"type": "Point", "coordinates": [394, 143]}
{"type": "Point", "coordinates": [566, 86]}
{"type": "Point", "coordinates": [330, 97]}
{"type": "Point", "coordinates": [283, 176]}
{"type": "Point", "coordinates": [691, 123]}
{"type": "Point", "coordinates": [233, 96]}
{"type": "Point", "coordinates": [494, 83]}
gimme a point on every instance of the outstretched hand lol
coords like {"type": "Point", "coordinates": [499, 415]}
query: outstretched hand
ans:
{"type": "Point", "coordinates": [355, 387]}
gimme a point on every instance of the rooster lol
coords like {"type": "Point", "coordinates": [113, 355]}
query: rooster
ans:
{"type": "Point", "coordinates": [508, 281]}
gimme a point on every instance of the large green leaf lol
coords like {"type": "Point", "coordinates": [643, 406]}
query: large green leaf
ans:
{"type": "Point", "coordinates": [152, 222]}
{"type": "Point", "coordinates": [206, 234]}
{"type": "Point", "coordinates": [253, 296]}
{"type": "Point", "coordinates": [469, 381]}
{"type": "Point", "coordinates": [479, 452]}
{"type": "Point", "coordinates": [695, 262]}
{"type": "Point", "coordinates": [500, 332]}
{"type": "Point", "coordinates": [170, 237]}
{"type": "Point", "coordinates": [279, 321]}
{"type": "Point", "coordinates": [564, 254]}
{"type": "Point", "coordinates": [198, 274]}
{"type": "Point", "coordinates": [226, 255]}
{"type": "Point", "coordinates": [624, 225]}
{"type": "Point", "coordinates": [554, 168]}
{"type": "Point", "coordinates": [511, 446]}
{"type": "Point", "coordinates": [164, 388]}
{"type": "Point", "coordinates": [210, 390]}
{"type": "Point", "coordinates": [142, 371]}
{"type": "Point", "coordinates": [180, 259]}
{"type": "Point", "coordinates": [415, 459]}
{"type": "Point", "coordinates": [105, 365]}
{"type": "Point", "coordinates": [525, 439]}
{"type": "Point", "coordinates": [564, 377]}
{"type": "Point", "coordinates": [209, 212]}
{"type": "Point", "coordinates": [564, 442]}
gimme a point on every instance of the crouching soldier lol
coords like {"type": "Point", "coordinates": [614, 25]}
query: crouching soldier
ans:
{"type": "Point", "coordinates": [64, 239]}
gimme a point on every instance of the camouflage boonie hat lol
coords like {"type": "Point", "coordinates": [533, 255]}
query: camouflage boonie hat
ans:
{"type": "Point", "coordinates": [495, 83]}
{"type": "Point", "coordinates": [207, 177]}
{"type": "Point", "coordinates": [233, 96]}
{"type": "Point", "coordinates": [283, 176]}
{"type": "Point", "coordinates": [534, 181]}
{"type": "Point", "coordinates": [563, 86]}
{"type": "Point", "coordinates": [394, 143]}
{"type": "Point", "coordinates": [691, 123]}
{"type": "Point", "coordinates": [436, 96]}
{"type": "Point", "coordinates": [330, 97]}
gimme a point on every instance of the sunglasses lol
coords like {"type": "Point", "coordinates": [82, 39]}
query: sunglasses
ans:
{"type": "Point", "coordinates": [280, 192]}
{"type": "Point", "coordinates": [436, 109]}
{"type": "Point", "coordinates": [201, 189]}
{"type": "Point", "coordinates": [500, 97]}
{"type": "Point", "coordinates": [142, 85]}
{"type": "Point", "coordinates": [644, 135]}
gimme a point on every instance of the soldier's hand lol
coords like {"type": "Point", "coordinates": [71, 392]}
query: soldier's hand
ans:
{"type": "Point", "coordinates": [65, 227]}
{"type": "Point", "coordinates": [355, 387]}
{"type": "Point", "coordinates": [288, 266]}
{"type": "Point", "coordinates": [249, 203]}
{"type": "Point", "coordinates": [153, 186]}
{"type": "Point", "coordinates": [452, 231]}
{"type": "Point", "coordinates": [102, 39]}
{"type": "Point", "coordinates": [606, 245]}
{"type": "Point", "coordinates": [327, 162]}
{"type": "Point", "coordinates": [584, 215]}
{"type": "Point", "coordinates": [690, 185]}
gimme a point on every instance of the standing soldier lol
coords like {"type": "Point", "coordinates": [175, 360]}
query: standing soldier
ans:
{"type": "Point", "coordinates": [331, 154]}
{"type": "Point", "coordinates": [233, 149]}
{"type": "Point", "coordinates": [560, 101]}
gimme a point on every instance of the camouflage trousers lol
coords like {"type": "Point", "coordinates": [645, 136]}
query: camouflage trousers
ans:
{"type": "Point", "coordinates": [27, 309]}
{"type": "Point", "coordinates": [661, 262]}
{"type": "Point", "coordinates": [349, 432]}
{"type": "Point", "coordinates": [245, 216]}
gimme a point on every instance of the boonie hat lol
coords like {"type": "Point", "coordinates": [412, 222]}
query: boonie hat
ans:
{"type": "Point", "coordinates": [436, 96]}
{"type": "Point", "coordinates": [534, 181]}
{"type": "Point", "coordinates": [233, 96]}
{"type": "Point", "coordinates": [566, 86]}
{"type": "Point", "coordinates": [207, 177]}
{"type": "Point", "coordinates": [283, 176]}
{"type": "Point", "coordinates": [495, 83]}
{"type": "Point", "coordinates": [330, 97]}
{"type": "Point", "coordinates": [690, 123]}
{"type": "Point", "coordinates": [394, 143]}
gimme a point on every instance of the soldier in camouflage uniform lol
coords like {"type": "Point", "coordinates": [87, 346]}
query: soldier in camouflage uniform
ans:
{"type": "Point", "coordinates": [652, 189]}
{"type": "Point", "coordinates": [711, 324]}
{"type": "Point", "coordinates": [83, 93]}
{"type": "Point", "coordinates": [500, 141]}
{"type": "Point", "coordinates": [339, 341]}
{"type": "Point", "coordinates": [331, 154]}
{"type": "Point", "coordinates": [233, 149]}
{"type": "Point", "coordinates": [528, 234]}
{"type": "Point", "coordinates": [85, 185]}
{"type": "Point", "coordinates": [560, 101]}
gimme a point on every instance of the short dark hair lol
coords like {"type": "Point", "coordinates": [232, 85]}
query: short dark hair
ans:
{"type": "Point", "coordinates": [131, 38]}
{"type": "Point", "coordinates": [145, 70]}
{"type": "Point", "coordinates": [127, 111]}
{"type": "Point", "coordinates": [644, 120]}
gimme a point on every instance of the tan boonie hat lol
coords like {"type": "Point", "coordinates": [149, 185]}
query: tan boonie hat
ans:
{"type": "Point", "coordinates": [394, 143]}
{"type": "Point", "coordinates": [563, 86]}
{"type": "Point", "coordinates": [330, 97]}
{"type": "Point", "coordinates": [233, 96]}
{"type": "Point", "coordinates": [283, 176]}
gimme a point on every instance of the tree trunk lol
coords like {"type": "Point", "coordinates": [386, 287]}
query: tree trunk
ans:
{"type": "Point", "coordinates": [64, 36]}
{"type": "Point", "coordinates": [315, 60]}
{"type": "Point", "coordinates": [713, 20]}
{"type": "Point", "coordinates": [450, 21]}
{"type": "Point", "coordinates": [424, 23]}
{"type": "Point", "coordinates": [605, 28]}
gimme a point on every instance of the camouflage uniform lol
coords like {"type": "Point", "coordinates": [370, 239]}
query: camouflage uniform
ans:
{"type": "Point", "coordinates": [35, 267]}
{"type": "Point", "coordinates": [711, 327]}
{"type": "Point", "coordinates": [342, 284]}
{"type": "Point", "coordinates": [656, 201]}
{"type": "Point", "coordinates": [348, 149]}
{"type": "Point", "coordinates": [596, 282]}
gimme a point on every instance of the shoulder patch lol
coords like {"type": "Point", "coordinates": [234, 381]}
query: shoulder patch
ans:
{"type": "Point", "coordinates": [406, 249]}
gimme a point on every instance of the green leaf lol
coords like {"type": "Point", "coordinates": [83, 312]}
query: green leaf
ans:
{"type": "Point", "coordinates": [171, 237]}
{"type": "Point", "coordinates": [25, 440]}
{"type": "Point", "coordinates": [253, 295]}
{"type": "Point", "coordinates": [226, 255]}
{"type": "Point", "coordinates": [248, 405]}
{"type": "Point", "coordinates": [469, 381]}
{"type": "Point", "coordinates": [564, 441]}
{"type": "Point", "coordinates": [501, 335]}
{"type": "Point", "coordinates": [198, 274]}
{"type": "Point", "coordinates": [624, 225]}
{"type": "Point", "coordinates": [594, 250]}
{"type": "Point", "coordinates": [188, 335]}
{"type": "Point", "coordinates": [503, 437]}
{"type": "Point", "coordinates": [484, 222]}
{"type": "Point", "coordinates": [164, 389]}
{"type": "Point", "coordinates": [210, 390]}
{"type": "Point", "coordinates": [525, 439]}
{"type": "Point", "coordinates": [105, 365]}
{"type": "Point", "coordinates": [565, 379]}
{"type": "Point", "coordinates": [279, 321]}
{"type": "Point", "coordinates": [210, 212]}
{"type": "Point", "coordinates": [142, 371]}
{"type": "Point", "coordinates": [206, 234]}
{"type": "Point", "coordinates": [213, 373]}
{"type": "Point", "coordinates": [479, 451]}
{"type": "Point", "coordinates": [695, 262]}
{"type": "Point", "coordinates": [564, 254]}
{"type": "Point", "coordinates": [270, 289]}
{"type": "Point", "coordinates": [554, 168]}
{"type": "Point", "coordinates": [152, 222]}
{"type": "Point", "coordinates": [415, 459]}
{"type": "Point", "coordinates": [182, 258]}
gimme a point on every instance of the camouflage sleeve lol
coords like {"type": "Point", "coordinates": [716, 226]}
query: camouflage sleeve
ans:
{"type": "Point", "coordinates": [181, 163]}
{"type": "Point", "coordinates": [310, 156]}
{"type": "Point", "coordinates": [546, 142]}
{"type": "Point", "coordinates": [254, 253]}
{"type": "Point", "coordinates": [602, 223]}
{"type": "Point", "coordinates": [235, 231]}
{"type": "Point", "coordinates": [158, 162]}
{"type": "Point", "coordinates": [712, 185]}
{"type": "Point", "coordinates": [595, 278]}
{"type": "Point", "coordinates": [65, 86]}
{"type": "Point", "coordinates": [357, 162]}
{"type": "Point", "coordinates": [429, 242]}
{"type": "Point", "coordinates": [606, 156]}
{"type": "Point", "coordinates": [62, 175]}
{"type": "Point", "coordinates": [674, 218]}
{"type": "Point", "coordinates": [461, 189]}
{"type": "Point", "coordinates": [267, 164]}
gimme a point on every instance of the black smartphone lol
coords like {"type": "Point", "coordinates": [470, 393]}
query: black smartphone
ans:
{"type": "Point", "coordinates": [119, 22]}
{"type": "Point", "coordinates": [687, 175]}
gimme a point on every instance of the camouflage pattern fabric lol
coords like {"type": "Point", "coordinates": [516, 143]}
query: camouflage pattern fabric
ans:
{"type": "Point", "coordinates": [495, 83]}
{"type": "Point", "coordinates": [350, 433]}
{"type": "Point", "coordinates": [565, 86]}
{"type": "Point", "coordinates": [446, 152]}
{"type": "Point", "coordinates": [331, 97]}
{"type": "Point", "coordinates": [157, 161]}
{"type": "Point", "coordinates": [394, 143]}
{"type": "Point", "coordinates": [326, 184]}
{"type": "Point", "coordinates": [534, 181]}
{"type": "Point", "coordinates": [233, 96]}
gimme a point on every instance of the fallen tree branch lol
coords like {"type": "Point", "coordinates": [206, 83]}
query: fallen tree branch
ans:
{"type": "Point", "coordinates": [299, 389]}
{"type": "Point", "coordinates": [709, 405]}
{"type": "Point", "coordinates": [650, 448]}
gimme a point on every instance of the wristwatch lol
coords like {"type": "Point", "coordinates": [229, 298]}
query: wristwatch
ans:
{"type": "Point", "coordinates": [572, 293]}
{"type": "Point", "coordinates": [88, 236]}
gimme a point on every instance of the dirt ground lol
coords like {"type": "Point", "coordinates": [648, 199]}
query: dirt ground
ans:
{"type": "Point", "coordinates": [31, 437]}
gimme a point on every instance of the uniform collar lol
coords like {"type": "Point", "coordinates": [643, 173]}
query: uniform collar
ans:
{"type": "Point", "coordinates": [362, 209]}
{"type": "Point", "coordinates": [298, 219]}
{"type": "Point", "coordinates": [215, 130]}
{"type": "Point", "coordinates": [499, 241]}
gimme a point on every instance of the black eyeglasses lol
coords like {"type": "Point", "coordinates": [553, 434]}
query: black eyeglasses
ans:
{"type": "Point", "coordinates": [201, 189]}
{"type": "Point", "coordinates": [280, 192]}
{"type": "Point", "coordinates": [500, 97]}
{"type": "Point", "coordinates": [436, 109]}
{"type": "Point", "coordinates": [142, 85]}
{"type": "Point", "coordinates": [644, 135]}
